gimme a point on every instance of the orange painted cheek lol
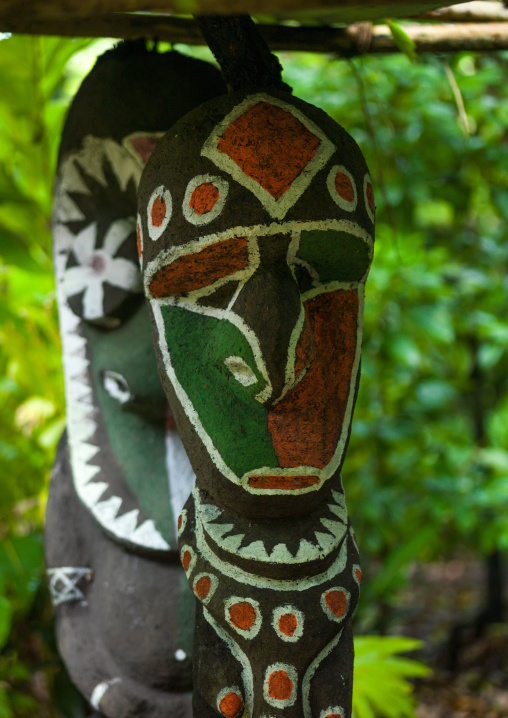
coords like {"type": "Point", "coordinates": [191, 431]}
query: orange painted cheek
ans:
{"type": "Point", "coordinates": [201, 269]}
{"type": "Point", "coordinates": [306, 424]}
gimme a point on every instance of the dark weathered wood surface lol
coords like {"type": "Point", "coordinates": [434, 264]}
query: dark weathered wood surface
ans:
{"type": "Point", "coordinates": [242, 52]}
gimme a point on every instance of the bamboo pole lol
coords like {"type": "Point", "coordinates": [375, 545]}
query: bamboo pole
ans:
{"type": "Point", "coordinates": [348, 42]}
{"type": "Point", "coordinates": [478, 11]}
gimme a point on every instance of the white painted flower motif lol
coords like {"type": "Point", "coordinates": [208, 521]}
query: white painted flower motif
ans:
{"type": "Point", "coordinates": [97, 266]}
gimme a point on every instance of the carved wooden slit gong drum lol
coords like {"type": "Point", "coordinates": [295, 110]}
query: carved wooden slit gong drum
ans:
{"type": "Point", "coordinates": [256, 230]}
{"type": "Point", "coordinates": [124, 613]}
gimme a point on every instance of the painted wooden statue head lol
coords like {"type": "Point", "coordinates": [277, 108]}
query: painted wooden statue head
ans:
{"type": "Point", "coordinates": [256, 220]}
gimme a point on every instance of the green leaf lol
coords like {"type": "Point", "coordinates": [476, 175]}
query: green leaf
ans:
{"type": "Point", "coordinates": [5, 620]}
{"type": "Point", "coordinates": [14, 252]}
{"type": "Point", "coordinates": [402, 40]}
{"type": "Point", "coordinates": [381, 679]}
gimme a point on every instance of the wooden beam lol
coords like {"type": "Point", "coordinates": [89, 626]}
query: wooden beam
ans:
{"type": "Point", "coordinates": [347, 42]}
{"type": "Point", "coordinates": [346, 11]}
{"type": "Point", "coordinates": [478, 11]}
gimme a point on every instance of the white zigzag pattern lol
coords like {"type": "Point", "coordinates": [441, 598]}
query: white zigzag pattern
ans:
{"type": "Point", "coordinates": [81, 425]}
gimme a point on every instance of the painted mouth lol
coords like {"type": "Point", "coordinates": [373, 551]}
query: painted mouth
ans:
{"type": "Point", "coordinates": [284, 483]}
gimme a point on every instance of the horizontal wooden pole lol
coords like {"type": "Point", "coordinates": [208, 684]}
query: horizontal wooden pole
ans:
{"type": "Point", "coordinates": [349, 42]}
{"type": "Point", "coordinates": [478, 11]}
{"type": "Point", "coordinates": [346, 11]}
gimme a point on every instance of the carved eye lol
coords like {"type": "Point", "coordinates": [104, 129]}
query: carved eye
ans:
{"type": "Point", "coordinates": [204, 199]}
{"type": "Point", "coordinates": [342, 188]}
{"type": "Point", "coordinates": [159, 211]}
{"type": "Point", "coordinates": [368, 196]}
{"type": "Point", "coordinates": [116, 386]}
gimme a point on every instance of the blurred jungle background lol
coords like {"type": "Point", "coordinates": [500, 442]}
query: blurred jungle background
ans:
{"type": "Point", "coordinates": [426, 474]}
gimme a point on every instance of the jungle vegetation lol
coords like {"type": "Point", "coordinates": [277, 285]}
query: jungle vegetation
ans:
{"type": "Point", "coordinates": [426, 475]}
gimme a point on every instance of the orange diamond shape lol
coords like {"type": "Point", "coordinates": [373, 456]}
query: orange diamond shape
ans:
{"type": "Point", "coordinates": [269, 145]}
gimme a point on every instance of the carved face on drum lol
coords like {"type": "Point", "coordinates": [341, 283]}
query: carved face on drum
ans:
{"type": "Point", "coordinates": [256, 237]}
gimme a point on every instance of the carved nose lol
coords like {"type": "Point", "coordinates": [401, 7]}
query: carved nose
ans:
{"type": "Point", "coordinates": [271, 306]}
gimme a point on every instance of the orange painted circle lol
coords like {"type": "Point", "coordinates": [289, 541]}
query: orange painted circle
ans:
{"type": "Point", "coordinates": [158, 211]}
{"type": "Point", "coordinates": [202, 586]}
{"type": "Point", "coordinates": [231, 705]}
{"type": "Point", "coordinates": [336, 602]}
{"type": "Point", "coordinates": [359, 575]}
{"type": "Point", "coordinates": [204, 198]}
{"type": "Point", "coordinates": [186, 559]}
{"type": "Point", "coordinates": [370, 197]}
{"type": "Point", "coordinates": [288, 624]}
{"type": "Point", "coordinates": [138, 239]}
{"type": "Point", "coordinates": [242, 615]}
{"type": "Point", "coordinates": [344, 187]}
{"type": "Point", "coordinates": [280, 686]}
{"type": "Point", "coordinates": [333, 715]}
{"type": "Point", "coordinates": [180, 522]}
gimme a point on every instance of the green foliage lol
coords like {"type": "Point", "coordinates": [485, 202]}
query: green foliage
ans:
{"type": "Point", "coordinates": [427, 469]}
{"type": "Point", "coordinates": [382, 687]}
{"type": "Point", "coordinates": [33, 102]}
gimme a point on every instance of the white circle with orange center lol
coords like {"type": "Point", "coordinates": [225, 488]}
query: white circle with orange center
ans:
{"type": "Point", "coordinates": [332, 712]}
{"type": "Point", "coordinates": [204, 586]}
{"type": "Point", "coordinates": [158, 212]}
{"type": "Point", "coordinates": [204, 199]}
{"type": "Point", "coordinates": [368, 197]}
{"type": "Point", "coordinates": [280, 685]}
{"type": "Point", "coordinates": [244, 615]}
{"type": "Point", "coordinates": [357, 574]}
{"type": "Point", "coordinates": [335, 603]}
{"type": "Point", "coordinates": [182, 521]}
{"type": "Point", "coordinates": [187, 559]}
{"type": "Point", "coordinates": [230, 702]}
{"type": "Point", "coordinates": [287, 622]}
{"type": "Point", "coordinates": [342, 188]}
{"type": "Point", "coordinates": [139, 238]}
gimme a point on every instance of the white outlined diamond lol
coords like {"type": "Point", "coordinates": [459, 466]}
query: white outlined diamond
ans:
{"type": "Point", "coordinates": [277, 208]}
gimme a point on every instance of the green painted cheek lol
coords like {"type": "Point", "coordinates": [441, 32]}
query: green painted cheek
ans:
{"type": "Point", "coordinates": [336, 256]}
{"type": "Point", "coordinates": [128, 433]}
{"type": "Point", "coordinates": [233, 419]}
